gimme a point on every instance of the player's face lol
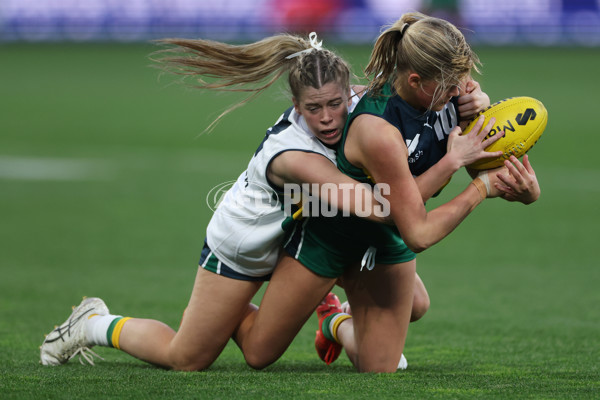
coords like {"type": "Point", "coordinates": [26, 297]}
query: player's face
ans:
{"type": "Point", "coordinates": [325, 110]}
{"type": "Point", "coordinates": [428, 97]}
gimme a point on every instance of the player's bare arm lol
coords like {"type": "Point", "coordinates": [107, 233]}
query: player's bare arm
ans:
{"type": "Point", "coordinates": [463, 150]}
{"type": "Point", "coordinates": [302, 167]}
{"type": "Point", "coordinates": [379, 148]}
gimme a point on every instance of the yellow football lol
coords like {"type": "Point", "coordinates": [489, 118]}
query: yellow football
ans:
{"type": "Point", "coordinates": [523, 120]}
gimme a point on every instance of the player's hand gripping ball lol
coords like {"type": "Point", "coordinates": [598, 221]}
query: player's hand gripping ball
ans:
{"type": "Point", "coordinates": [523, 120]}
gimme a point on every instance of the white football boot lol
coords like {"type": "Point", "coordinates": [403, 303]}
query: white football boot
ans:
{"type": "Point", "coordinates": [68, 340]}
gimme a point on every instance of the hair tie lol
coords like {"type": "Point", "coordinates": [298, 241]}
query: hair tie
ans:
{"type": "Point", "coordinates": [404, 28]}
{"type": "Point", "coordinates": [314, 45]}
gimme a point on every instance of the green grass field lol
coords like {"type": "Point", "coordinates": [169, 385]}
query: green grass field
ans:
{"type": "Point", "coordinates": [103, 179]}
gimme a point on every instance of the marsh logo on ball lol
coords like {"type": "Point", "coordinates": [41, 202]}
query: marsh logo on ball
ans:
{"type": "Point", "coordinates": [522, 119]}
{"type": "Point", "coordinates": [526, 116]}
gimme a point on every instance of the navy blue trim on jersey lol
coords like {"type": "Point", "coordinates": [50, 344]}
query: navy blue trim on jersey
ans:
{"type": "Point", "coordinates": [210, 262]}
{"type": "Point", "coordinates": [277, 128]}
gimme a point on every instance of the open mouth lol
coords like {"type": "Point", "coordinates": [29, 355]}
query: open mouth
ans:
{"type": "Point", "coordinates": [329, 133]}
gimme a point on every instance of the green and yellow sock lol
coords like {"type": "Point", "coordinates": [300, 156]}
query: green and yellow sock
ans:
{"type": "Point", "coordinates": [105, 330]}
{"type": "Point", "coordinates": [114, 331]}
{"type": "Point", "coordinates": [331, 323]}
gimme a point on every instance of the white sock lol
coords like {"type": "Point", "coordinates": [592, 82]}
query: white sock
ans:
{"type": "Point", "coordinates": [96, 328]}
{"type": "Point", "coordinates": [403, 364]}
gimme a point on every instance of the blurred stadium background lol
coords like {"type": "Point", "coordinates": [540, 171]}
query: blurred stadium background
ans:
{"type": "Point", "coordinates": [539, 22]}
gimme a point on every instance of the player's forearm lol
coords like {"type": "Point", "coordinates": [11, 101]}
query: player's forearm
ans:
{"type": "Point", "coordinates": [441, 221]}
{"type": "Point", "coordinates": [436, 177]}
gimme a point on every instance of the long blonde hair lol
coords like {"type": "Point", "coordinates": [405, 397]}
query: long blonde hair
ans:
{"type": "Point", "coordinates": [432, 47]}
{"type": "Point", "coordinates": [252, 67]}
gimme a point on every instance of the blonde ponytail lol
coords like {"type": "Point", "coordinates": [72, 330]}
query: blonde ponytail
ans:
{"type": "Point", "coordinates": [432, 47]}
{"type": "Point", "coordinates": [252, 67]}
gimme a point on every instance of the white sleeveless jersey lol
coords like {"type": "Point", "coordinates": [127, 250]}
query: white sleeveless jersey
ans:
{"type": "Point", "coordinates": [245, 232]}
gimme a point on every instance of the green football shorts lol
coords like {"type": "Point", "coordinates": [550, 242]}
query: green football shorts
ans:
{"type": "Point", "coordinates": [327, 246]}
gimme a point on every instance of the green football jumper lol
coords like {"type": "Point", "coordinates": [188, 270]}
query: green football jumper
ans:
{"type": "Point", "coordinates": [328, 245]}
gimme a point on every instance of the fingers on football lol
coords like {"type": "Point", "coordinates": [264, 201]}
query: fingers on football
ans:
{"type": "Point", "coordinates": [477, 128]}
{"type": "Point", "coordinates": [487, 128]}
{"type": "Point", "coordinates": [527, 165]}
{"type": "Point", "coordinates": [491, 140]}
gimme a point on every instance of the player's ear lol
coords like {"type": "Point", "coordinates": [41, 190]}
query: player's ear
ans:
{"type": "Point", "coordinates": [296, 105]}
{"type": "Point", "coordinates": [414, 80]}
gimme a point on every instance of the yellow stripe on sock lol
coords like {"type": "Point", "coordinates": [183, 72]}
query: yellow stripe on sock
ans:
{"type": "Point", "coordinates": [117, 332]}
{"type": "Point", "coordinates": [336, 325]}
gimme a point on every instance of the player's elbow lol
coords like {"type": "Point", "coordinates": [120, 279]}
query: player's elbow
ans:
{"type": "Point", "coordinates": [417, 244]}
{"type": "Point", "coordinates": [417, 236]}
{"type": "Point", "coordinates": [417, 249]}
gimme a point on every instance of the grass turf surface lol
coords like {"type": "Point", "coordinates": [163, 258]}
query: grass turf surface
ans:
{"type": "Point", "coordinates": [104, 176]}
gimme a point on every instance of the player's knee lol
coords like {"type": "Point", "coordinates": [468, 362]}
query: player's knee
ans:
{"type": "Point", "coordinates": [258, 360]}
{"type": "Point", "coordinates": [186, 361]}
{"type": "Point", "coordinates": [190, 365]}
{"type": "Point", "coordinates": [421, 304]}
{"type": "Point", "coordinates": [382, 366]}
